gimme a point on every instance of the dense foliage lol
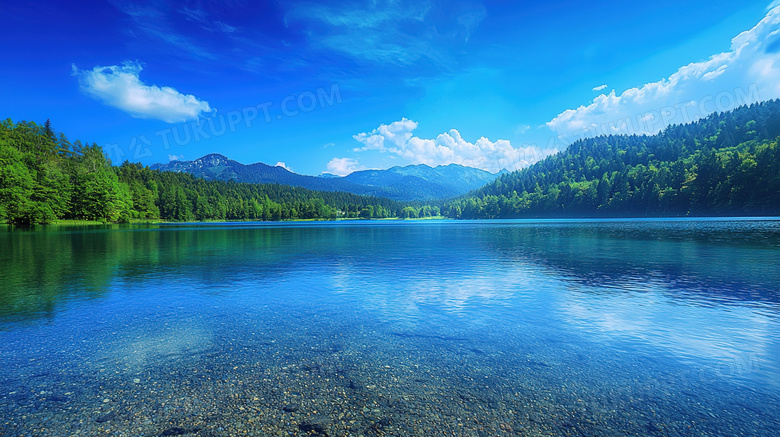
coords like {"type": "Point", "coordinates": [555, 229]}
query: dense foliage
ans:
{"type": "Point", "coordinates": [44, 177]}
{"type": "Point", "coordinates": [724, 164]}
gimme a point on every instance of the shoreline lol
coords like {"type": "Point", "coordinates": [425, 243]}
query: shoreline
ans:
{"type": "Point", "coordinates": [95, 223]}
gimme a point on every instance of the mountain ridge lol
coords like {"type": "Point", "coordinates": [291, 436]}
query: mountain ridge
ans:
{"type": "Point", "coordinates": [418, 182]}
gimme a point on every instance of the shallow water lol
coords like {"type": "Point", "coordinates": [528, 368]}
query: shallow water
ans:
{"type": "Point", "coordinates": [602, 327]}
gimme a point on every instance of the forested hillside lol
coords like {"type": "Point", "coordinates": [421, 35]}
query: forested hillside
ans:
{"type": "Point", "coordinates": [724, 164]}
{"type": "Point", "coordinates": [45, 177]}
{"type": "Point", "coordinates": [410, 183]}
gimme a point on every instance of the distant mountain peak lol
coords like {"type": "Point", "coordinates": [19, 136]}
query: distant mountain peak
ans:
{"type": "Point", "coordinates": [214, 156]}
{"type": "Point", "coordinates": [412, 182]}
{"type": "Point", "coordinates": [213, 159]}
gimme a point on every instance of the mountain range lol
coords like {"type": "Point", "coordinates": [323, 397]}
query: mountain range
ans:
{"type": "Point", "coordinates": [410, 183]}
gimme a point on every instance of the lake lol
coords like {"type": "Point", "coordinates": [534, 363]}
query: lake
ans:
{"type": "Point", "coordinates": [373, 328]}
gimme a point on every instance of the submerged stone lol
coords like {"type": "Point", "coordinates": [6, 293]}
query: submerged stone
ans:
{"type": "Point", "coordinates": [313, 429]}
{"type": "Point", "coordinates": [177, 430]}
{"type": "Point", "coordinates": [111, 415]}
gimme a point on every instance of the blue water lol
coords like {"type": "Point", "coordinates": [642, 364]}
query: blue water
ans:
{"type": "Point", "coordinates": [568, 327]}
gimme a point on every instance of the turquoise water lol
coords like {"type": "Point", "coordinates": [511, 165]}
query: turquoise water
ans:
{"type": "Point", "coordinates": [577, 328]}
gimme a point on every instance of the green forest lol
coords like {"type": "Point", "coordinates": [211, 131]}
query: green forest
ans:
{"type": "Point", "coordinates": [724, 164]}
{"type": "Point", "coordinates": [44, 178]}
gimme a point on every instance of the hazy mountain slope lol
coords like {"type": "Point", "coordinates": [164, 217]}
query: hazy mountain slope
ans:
{"type": "Point", "coordinates": [219, 167]}
{"type": "Point", "coordinates": [414, 182]}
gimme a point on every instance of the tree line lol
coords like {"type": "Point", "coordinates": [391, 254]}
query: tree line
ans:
{"type": "Point", "coordinates": [724, 164]}
{"type": "Point", "coordinates": [44, 177]}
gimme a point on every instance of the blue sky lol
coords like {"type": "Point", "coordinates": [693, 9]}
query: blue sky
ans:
{"type": "Point", "coordinates": [340, 86]}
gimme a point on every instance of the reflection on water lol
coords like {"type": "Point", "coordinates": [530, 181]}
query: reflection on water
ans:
{"type": "Point", "coordinates": [385, 328]}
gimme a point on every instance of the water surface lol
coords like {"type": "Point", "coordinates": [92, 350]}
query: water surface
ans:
{"type": "Point", "coordinates": [601, 327]}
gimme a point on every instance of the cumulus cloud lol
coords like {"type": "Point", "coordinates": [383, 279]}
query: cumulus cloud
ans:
{"type": "Point", "coordinates": [283, 165]}
{"type": "Point", "coordinates": [748, 72]}
{"type": "Point", "coordinates": [175, 157]}
{"type": "Point", "coordinates": [397, 138]}
{"type": "Point", "coordinates": [599, 88]}
{"type": "Point", "coordinates": [119, 86]}
{"type": "Point", "coordinates": [343, 166]}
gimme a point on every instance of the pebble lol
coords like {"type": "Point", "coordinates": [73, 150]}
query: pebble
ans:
{"type": "Point", "coordinates": [344, 395]}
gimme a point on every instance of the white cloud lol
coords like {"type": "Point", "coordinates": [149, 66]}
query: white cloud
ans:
{"type": "Point", "coordinates": [748, 72]}
{"type": "Point", "coordinates": [283, 165]}
{"type": "Point", "coordinates": [447, 148]}
{"type": "Point", "coordinates": [225, 27]}
{"type": "Point", "coordinates": [391, 32]}
{"type": "Point", "coordinates": [599, 88]}
{"type": "Point", "coordinates": [155, 22]}
{"type": "Point", "coordinates": [202, 18]}
{"type": "Point", "coordinates": [196, 15]}
{"type": "Point", "coordinates": [119, 86]}
{"type": "Point", "coordinates": [175, 157]}
{"type": "Point", "coordinates": [328, 145]}
{"type": "Point", "coordinates": [523, 128]}
{"type": "Point", "coordinates": [343, 166]}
